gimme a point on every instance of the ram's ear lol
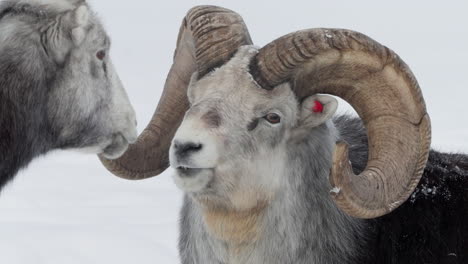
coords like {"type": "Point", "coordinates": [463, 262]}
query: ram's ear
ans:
{"type": "Point", "coordinates": [317, 109]}
{"type": "Point", "coordinates": [191, 87]}
{"type": "Point", "coordinates": [80, 22]}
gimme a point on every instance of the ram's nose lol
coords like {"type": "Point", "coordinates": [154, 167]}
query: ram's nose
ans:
{"type": "Point", "coordinates": [183, 150]}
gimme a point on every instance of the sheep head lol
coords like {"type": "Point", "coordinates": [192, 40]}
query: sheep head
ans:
{"type": "Point", "coordinates": [372, 78]}
{"type": "Point", "coordinates": [57, 54]}
{"type": "Point", "coordinates": [234, 146]}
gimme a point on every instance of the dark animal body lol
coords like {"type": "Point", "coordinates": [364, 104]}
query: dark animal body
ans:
{"type": "Point", "coordinates": [432, 226]}
{"type": "Point", "coordinates": [24, 132]}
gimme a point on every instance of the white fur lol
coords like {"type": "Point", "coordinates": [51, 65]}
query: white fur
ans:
{"type": "Point", "coordinates": [277, 166]}
{"type": "Point", "coordinates": [192, 131]}
{"type": "Point", "coordinates": [194, 183]}
{"type": "Point", "coordinates": [57, 5]}
{"type": "Point", "coordinates": [94, 149]}
{"type": "Point", "coordinates": [81, 19]}
{"type": "Point", "coordinates": [78, 35]}
{"type": "Point", "coordinates": [125, 118]}
{"type": "Point", "coordinates": [313, 119]}
{"type": "Point", "coordinates": [82, 16]}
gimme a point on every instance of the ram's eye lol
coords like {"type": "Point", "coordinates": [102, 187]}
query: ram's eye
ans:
{"type": "Point", "coordinates": [101, 54]}
{"type": "Point", "coordinates": [273, 118]}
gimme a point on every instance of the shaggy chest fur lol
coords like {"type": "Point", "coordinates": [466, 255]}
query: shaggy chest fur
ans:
{"type": "Point", "coordinates": [300, 224]}
{"type": "Point", "coordinates": [303, 226]}
{"type": "Point", "coordinates": [238, 231]}
{"type": "Point", "coordinates": [276, 233]}
{"type": "Point", "coordinates": [236, 228]}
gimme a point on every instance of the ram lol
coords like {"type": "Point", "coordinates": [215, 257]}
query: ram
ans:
{"type": "Point", "coordinates": [58, 88]}
{"type": "Point", "coordinates": [264, 165]}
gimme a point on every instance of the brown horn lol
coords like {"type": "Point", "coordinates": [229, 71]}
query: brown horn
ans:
{"type": "Point", "coordinates": [382, 90]}
{"type": "Point", "coordinates": [209, 36]}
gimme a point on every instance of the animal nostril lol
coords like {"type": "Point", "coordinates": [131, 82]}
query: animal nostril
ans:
{"type": "Point", "coordinates": [183, 149]}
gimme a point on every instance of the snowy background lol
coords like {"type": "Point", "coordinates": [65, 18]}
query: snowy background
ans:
{"type": "Point", "coordinates": [66, 208]}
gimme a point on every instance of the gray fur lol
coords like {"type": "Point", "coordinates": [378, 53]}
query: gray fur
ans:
{"type": "Point", "coordinates": [275, 174]}
{"type": "Point", "coordinates": [259, 193]}
{"type": "Point", "coordinates": [55, 92]}
{"type": "Point", "coordinates": [301, 225]}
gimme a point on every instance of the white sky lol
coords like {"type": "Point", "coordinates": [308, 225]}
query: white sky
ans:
{"type": "Point", "coordinates": [66, 208]}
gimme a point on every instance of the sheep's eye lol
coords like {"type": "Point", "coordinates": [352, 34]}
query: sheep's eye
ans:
{"type": "Point", "coordinates": [273, 118]}
{"type": "Point", "coordinates": [101, 54]}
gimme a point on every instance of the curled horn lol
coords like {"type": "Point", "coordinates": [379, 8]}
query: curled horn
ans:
{"type": "Point", "coordinates": [382, 90]}
{"type": "Point", "coordinates": [208, 37]}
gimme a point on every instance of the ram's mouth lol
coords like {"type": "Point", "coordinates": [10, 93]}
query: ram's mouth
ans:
{"type": "Point", "coordinates": [189, 172]}
{"type": "Point", "coordinates": [115, 147]}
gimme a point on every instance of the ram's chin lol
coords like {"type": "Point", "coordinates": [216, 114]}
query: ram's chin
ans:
{"type": "Point", "coordinates": [192, 179]}
{"type": "Point", "coordinates": [109, 148]}
{"type": "Point", "coordinates": [116, 148]}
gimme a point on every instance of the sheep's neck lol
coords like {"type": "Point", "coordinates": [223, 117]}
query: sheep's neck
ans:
{"type": "Point", "coordinates": [10, 163]}
{"type": "Point", "coordinates": [237, 228]}
{"type": "Point", "coordinates": [21, 139]}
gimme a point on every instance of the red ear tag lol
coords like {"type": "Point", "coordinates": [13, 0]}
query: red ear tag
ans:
{"type": "Point", "coordinates": [318, 107]}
